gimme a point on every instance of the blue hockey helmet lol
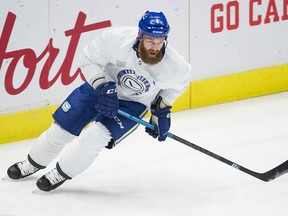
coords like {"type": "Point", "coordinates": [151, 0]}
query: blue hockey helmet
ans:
{"type": "Point", "coordinates": [154, 24]}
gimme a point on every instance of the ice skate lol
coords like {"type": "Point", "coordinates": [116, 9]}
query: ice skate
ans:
{"type": "Point", "coordinates": [52, 179]}
{"type": "Point", "coordinates": [23, 169]}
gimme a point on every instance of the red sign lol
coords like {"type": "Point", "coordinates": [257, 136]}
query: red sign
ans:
{"type": "Point", "coordinates": [50, 53]}
{"type": "Point", "coordinates": [227, 16]}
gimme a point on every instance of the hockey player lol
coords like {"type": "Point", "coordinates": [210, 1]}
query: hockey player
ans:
{"type": "Point", "coordinates": [126, 68]}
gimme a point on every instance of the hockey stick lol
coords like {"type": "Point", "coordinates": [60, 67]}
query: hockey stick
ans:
{"type": "Point", "coordinates": [266, 176]}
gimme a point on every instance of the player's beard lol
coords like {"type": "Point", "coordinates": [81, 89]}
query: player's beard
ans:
{"type": "Point", "coordinates": [148, 59]}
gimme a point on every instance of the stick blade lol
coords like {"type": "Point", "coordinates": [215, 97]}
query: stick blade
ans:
{"type": "Point", "coordinates": [275, 172]}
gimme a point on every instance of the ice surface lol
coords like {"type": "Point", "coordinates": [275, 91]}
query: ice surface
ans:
{"type": "Point", "coordinates": [143, 177]}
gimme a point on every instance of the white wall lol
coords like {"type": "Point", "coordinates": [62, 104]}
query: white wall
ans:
{"type": "Point", "coordinates": [27, 26]}
{"type": "Point", "coordinates": [254, 37]}
{"type": "Point", "coordinates": [36, 22]}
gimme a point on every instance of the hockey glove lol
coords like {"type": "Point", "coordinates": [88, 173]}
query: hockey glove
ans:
{"type": "Point", "coordinates": [107, 101]}
{"type": "Point", "coordinates": [161, 119]}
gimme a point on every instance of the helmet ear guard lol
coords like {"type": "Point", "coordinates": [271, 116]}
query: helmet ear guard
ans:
{"type": "Point", "coordinates": [153, 24]}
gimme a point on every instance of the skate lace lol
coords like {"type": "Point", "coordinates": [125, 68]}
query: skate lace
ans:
{"type": "Point", "coordinates": [26, 167]}
{"type": "Point", "coordinates": [54, 177]}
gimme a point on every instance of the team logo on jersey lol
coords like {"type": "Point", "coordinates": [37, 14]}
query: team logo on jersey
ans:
{"type": "Point", "coordinates": [130, 80]}
{"type": "Point", "coordinates": [66, 106]}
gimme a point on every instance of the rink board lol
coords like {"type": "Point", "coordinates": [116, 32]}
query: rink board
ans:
{"type": "Point", "coordinates": [31, 123]}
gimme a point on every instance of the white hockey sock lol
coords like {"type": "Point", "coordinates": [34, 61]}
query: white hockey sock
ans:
{"type": "Point", "coordinates": [80, 155]}
{"type": "Point", "coordinates": [49, 144]}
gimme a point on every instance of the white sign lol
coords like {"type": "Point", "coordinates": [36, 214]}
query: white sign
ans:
{"type": "Point", "coordinates": [235, 36]}
{"type": "Point", "coordinates": [40, 45]}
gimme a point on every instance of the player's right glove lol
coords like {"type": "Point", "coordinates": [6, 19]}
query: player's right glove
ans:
{"type": "Point", "coordinates": [107, 101]}
{"type": "Point", "coordinates": [161, 119]}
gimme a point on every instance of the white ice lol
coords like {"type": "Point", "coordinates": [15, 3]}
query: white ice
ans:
{"type": "Point", "coordinates": [144, 177]}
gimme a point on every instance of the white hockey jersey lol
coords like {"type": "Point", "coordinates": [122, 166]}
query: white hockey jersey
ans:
{"type": "Point", "coordinates": [111, 54]}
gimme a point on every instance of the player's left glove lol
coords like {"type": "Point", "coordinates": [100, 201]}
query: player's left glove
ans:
{"type": "Point", "coordinates": [161, 118]}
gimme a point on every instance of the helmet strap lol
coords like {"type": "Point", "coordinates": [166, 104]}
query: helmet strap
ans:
{"type": "Point", "coordinates": [136, 45]}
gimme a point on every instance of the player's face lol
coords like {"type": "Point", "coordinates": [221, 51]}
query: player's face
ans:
{"type": "Point", "coordinates": [153, 45]}
{"type": "Point", "coordinates": [150, 49]}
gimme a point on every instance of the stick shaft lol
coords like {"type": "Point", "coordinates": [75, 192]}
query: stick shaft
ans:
{"type": "Point", "coordinates": [267, 176]}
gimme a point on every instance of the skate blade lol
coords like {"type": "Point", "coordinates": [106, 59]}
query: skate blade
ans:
{"type": "Point", "coordinates": [5, 178]}
{"type": "Point", "coordinates": [36, 190]}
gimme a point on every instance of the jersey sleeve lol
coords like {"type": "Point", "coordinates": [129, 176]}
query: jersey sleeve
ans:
{"type": "Point", "coordinates": [94, 58]}
{"type": "Point", "coordinates": [181, 80]}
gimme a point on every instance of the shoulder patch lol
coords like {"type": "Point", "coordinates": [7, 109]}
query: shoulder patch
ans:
{"type": "Point", "coordinates": [121, 63]}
